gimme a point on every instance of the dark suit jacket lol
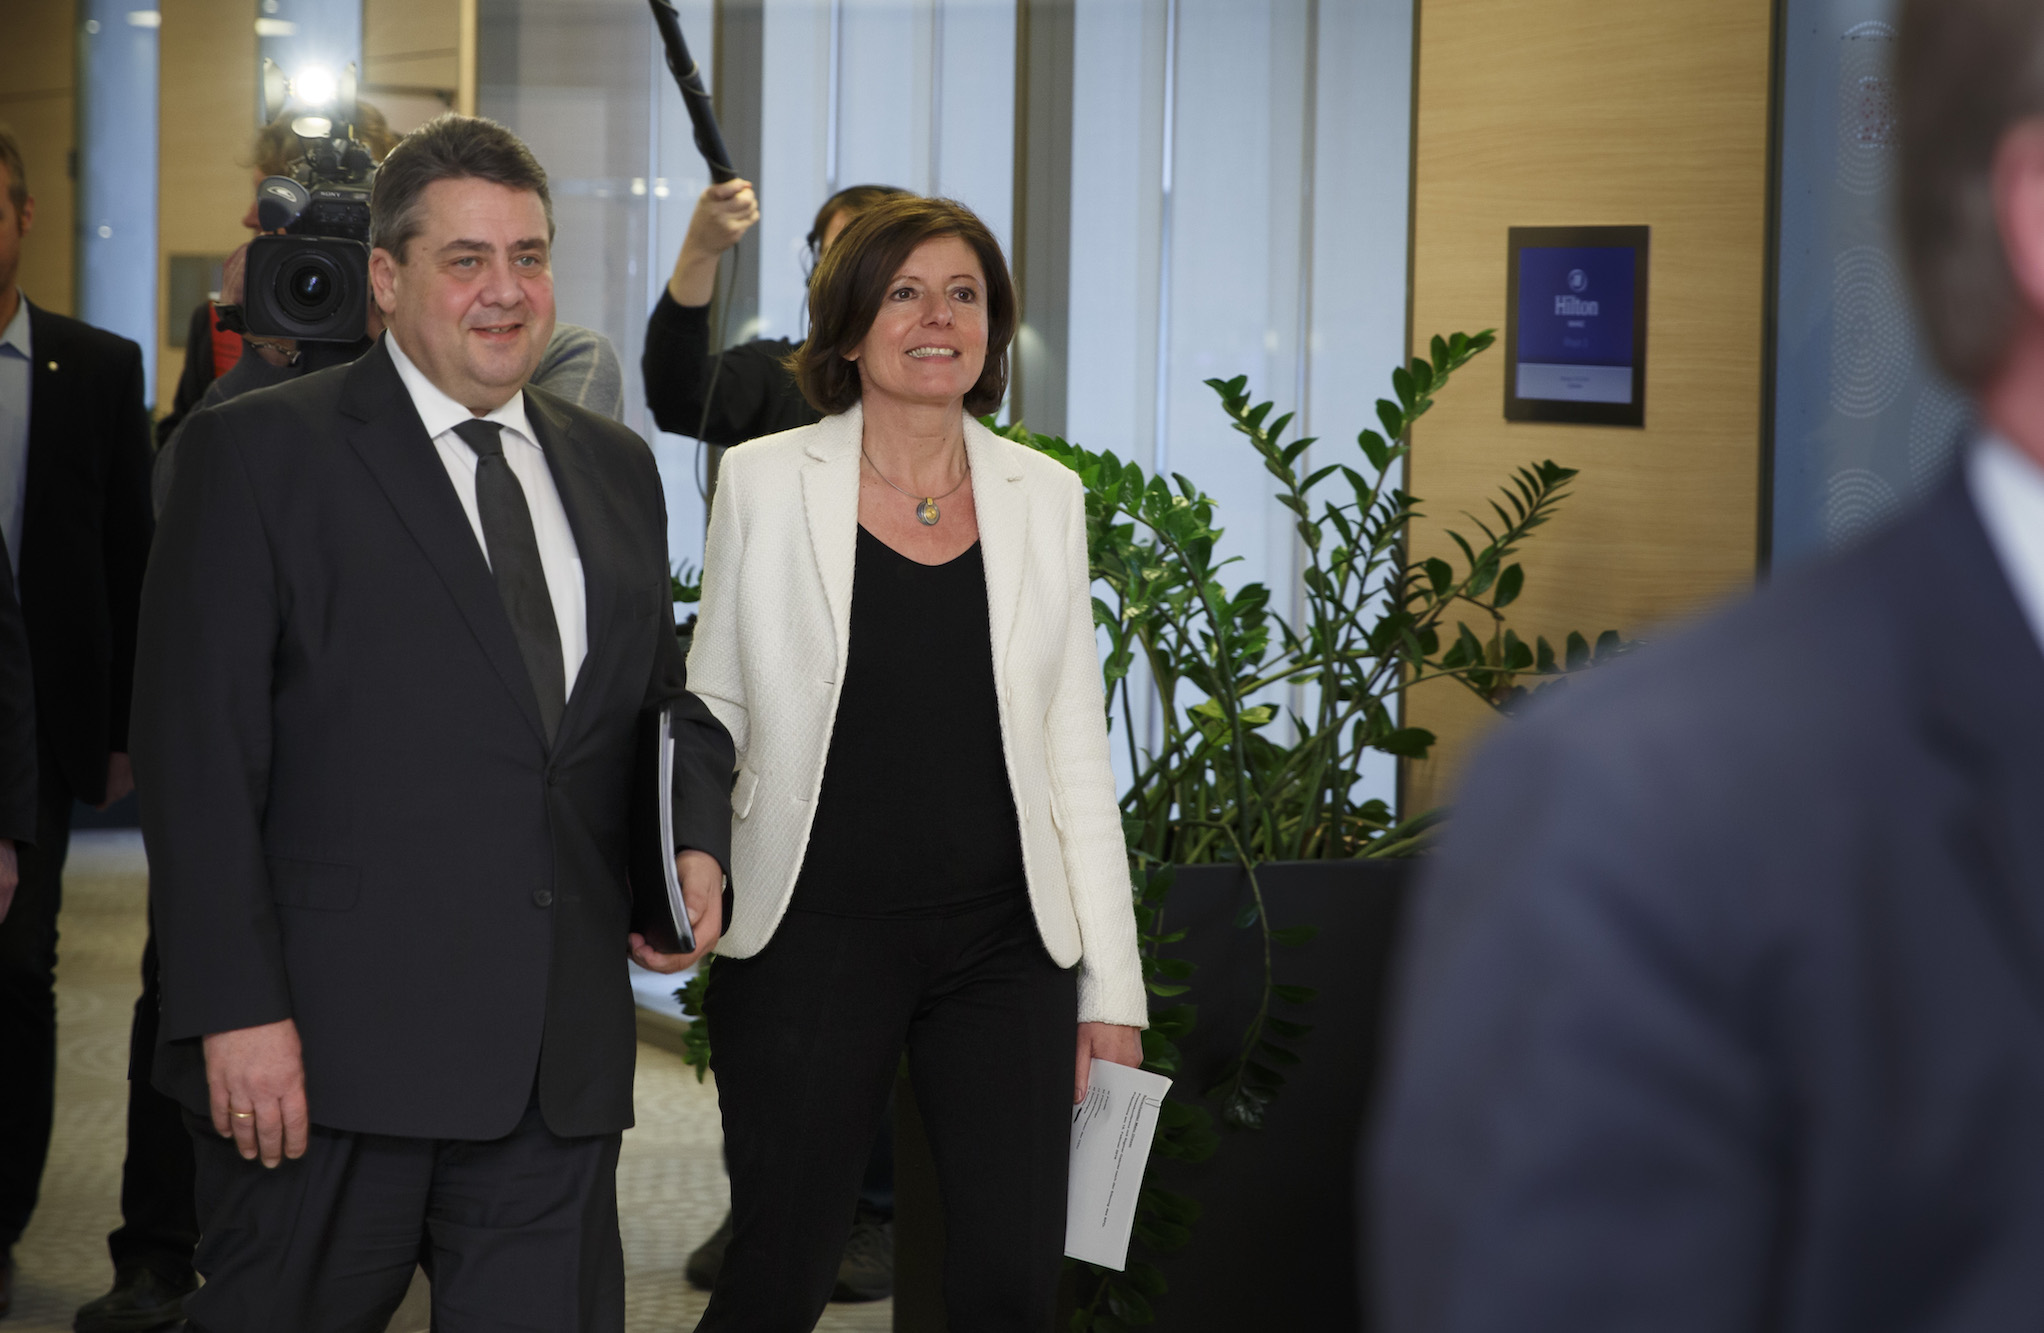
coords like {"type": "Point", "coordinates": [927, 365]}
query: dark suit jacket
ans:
{"type": "Point", "coordinates": [17, 717]}
{"type": "Point", "coordinates": [352, 814]}
{"type": "Point", "coordinates": [1725, 1005]}
{"type": "Point", "coordinates": [85, 540]}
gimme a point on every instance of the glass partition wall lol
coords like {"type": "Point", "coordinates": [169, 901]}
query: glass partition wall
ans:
{"type": "Point", "coordinates": [1862, 423]}
{"type": "Point", "coordinates": [1240, 174]}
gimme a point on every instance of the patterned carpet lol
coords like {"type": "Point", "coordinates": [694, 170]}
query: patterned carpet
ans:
{"type": "Point", "coordinates": [670, 1181]}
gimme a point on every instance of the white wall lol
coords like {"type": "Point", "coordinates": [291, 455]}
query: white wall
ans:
{"type": "Point", "coordinates": [914, 93]}
{"type": "Point", "coordinates": [1239, 183]}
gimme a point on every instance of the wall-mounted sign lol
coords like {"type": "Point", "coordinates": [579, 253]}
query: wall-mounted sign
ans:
{"type": "Point", "coordinates": [1576, 325]}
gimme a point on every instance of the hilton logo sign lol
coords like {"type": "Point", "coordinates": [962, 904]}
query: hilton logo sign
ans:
{"type": "Point", "coordinates": [1578, 282]}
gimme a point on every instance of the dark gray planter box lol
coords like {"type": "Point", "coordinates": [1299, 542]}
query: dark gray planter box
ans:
{"type": "Point", "coordinates": [1278, 1245]}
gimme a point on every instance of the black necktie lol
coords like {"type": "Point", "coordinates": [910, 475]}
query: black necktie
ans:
{"type": "Point", "coordinates": [521, 578]}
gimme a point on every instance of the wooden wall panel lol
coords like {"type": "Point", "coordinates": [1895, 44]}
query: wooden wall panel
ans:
{"type": "Point", "coordinates": [205, 131]}
{"type": "Point", "coordinates": [38, 88]}
{"type": "Point", "coordinates": [1580, 112]}
{"type": "Point", "coordinates": [411, 58]}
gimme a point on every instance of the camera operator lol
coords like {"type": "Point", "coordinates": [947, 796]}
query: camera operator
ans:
{"type": "Point", "coordinates": [152, 1250]}
{"type": "Point", "coordinates": [754, 394]}
{"type": "Point", "coordinates": [212, 350]}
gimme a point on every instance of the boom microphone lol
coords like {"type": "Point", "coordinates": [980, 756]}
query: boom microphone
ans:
{"type": "Point", "coordinates": [688, 76]}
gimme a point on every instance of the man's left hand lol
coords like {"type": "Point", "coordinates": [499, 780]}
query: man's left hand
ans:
{"type": "Point", "coordinates": [1112, 1042]}
{"type": "Point", "coordinates": [120, 779]}
{"type": "Point", "coordinates": [702, 888]}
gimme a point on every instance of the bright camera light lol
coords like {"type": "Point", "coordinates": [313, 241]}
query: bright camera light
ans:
{"type": "Point", "coordinates": [315, 85]}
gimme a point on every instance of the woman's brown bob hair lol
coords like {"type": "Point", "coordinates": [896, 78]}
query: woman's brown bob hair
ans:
{"type": "Point", "coordinates": [852, 277]}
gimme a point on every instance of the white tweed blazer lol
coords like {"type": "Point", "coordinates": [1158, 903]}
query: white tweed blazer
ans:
{"type": "Point", "coordinates": [769, 659]}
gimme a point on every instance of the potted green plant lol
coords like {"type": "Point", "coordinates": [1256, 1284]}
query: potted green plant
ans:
{"type": "Point", "coordinates": [1264, 876]}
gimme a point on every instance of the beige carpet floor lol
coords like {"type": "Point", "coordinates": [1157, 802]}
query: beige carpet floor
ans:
{"type": "Point", "coordinates": [671, 1186]}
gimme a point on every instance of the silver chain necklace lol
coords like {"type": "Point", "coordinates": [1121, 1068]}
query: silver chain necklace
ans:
{"type": "Point", "coordinates": [927, 512]}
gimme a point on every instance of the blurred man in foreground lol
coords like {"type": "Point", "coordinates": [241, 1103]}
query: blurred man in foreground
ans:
{"type": "Point", "coordinates": [1725, 1007]}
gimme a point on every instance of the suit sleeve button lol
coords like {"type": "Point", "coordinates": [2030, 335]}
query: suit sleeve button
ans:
{"type": "Point", "coordinates": [542, 897]}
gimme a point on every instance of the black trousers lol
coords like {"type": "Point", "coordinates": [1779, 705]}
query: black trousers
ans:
{"type": "Point", "coordinates": [809, 1035]}
{"type": "Point", "coordinates": [159, 1225]}
{"type": "Point", "coordinates": [517, 1234]}
{"type": "Point", "coordinates": [28, 1006]}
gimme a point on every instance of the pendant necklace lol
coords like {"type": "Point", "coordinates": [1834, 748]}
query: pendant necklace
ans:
{"type": "Point", "coordinates": [927, 512]}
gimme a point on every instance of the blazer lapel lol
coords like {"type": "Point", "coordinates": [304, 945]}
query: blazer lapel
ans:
{"type": "Point", "coordinates": [591, 520]}
{"type": "Point", "coordinates": [1002, 503]}
{"type": "Point", "coordinates": [50, 412]}
{"type": "Point", "coordinates": [830, 502]}
{"type": "Point", "coordinates": [384, 429]}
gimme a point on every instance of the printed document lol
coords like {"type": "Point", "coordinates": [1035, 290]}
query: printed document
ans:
{"type": "Point", "coordinates": [1111, 1134]}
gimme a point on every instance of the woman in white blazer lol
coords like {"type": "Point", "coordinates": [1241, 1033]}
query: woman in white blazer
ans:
{"type": "Point", "coordinates": [897, 629]}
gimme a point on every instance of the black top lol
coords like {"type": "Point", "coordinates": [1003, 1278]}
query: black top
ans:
{"type": "Point", "coordinates": [916, 817]}
{"type": "Point", "coordinates": [754, 394]}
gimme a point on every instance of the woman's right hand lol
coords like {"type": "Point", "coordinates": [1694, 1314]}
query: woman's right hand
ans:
{"type": "Point", "coordinates": [724, 213]}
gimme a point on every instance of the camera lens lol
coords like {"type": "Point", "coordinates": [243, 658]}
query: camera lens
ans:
{"type": "Point", "coordinates": [307, 287]}
{"type": "Point", "coordinates": [310, 288]}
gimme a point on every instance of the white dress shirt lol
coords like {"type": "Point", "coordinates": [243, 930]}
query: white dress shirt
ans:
{"type": "Point", "coordinates": [2008, 490]}
{"type": "Point", "coordinates": [558, 554]}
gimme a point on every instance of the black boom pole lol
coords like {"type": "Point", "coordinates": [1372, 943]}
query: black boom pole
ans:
{"type": "Point", "coordinates": [688, 76]}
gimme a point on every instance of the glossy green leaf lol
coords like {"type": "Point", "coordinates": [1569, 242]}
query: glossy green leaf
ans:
{"type": "Point", "coordinates": [1508, 586]}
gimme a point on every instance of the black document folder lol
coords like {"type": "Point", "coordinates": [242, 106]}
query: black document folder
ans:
{"type": "Point", "coordinates": [658, 911]}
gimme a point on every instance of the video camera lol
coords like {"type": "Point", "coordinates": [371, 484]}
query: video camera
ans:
{"type": "Point", "coordinates": [312, 282]}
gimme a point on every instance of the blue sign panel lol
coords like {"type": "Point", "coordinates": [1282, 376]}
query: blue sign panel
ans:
{"type": "Point", "coordinates": [1577, 322]}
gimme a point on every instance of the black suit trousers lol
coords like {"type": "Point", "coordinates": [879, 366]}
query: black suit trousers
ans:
{"type": "Point", "coordinates": [28, 1004]}
{"type": "Point", "coordinates": [518, 1234]}
{"type": "Point", "coordinates": [158, 1226]}
{"type": "Point", "coordinates": [809, 1035]}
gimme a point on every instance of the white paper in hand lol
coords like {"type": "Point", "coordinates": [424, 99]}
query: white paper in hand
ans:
{"type": "Point", "coordinates": [1111, 1134]}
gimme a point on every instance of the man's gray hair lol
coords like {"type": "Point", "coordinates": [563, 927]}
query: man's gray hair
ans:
{"type": "Point", "coordinates": [1967, 72]}
{"type": "Point", "coordinates": [447, 147]}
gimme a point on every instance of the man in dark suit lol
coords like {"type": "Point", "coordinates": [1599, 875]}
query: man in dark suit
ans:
{"type": "Point", "coordinates": [1725, 1007]}
{"type": "Point", "coordinates": [17, 779]}
{"type": "Point", "coordinates": [17, 738]}
{"type": "Point", "coordinates": [74, 508]}
{"type": "Point", "coordinates": [402, 619]}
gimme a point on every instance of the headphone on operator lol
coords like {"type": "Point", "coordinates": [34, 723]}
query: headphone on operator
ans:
{"type": "Point", "coordinates": [853, 198]}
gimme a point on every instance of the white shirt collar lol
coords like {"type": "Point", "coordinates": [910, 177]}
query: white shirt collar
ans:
{"type": "Point", "coordinates": [15, 335]}
{"type": "Point", "coordinates": [441, 413]}
{"type": "Point", "coordinates": [2008, 491]}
